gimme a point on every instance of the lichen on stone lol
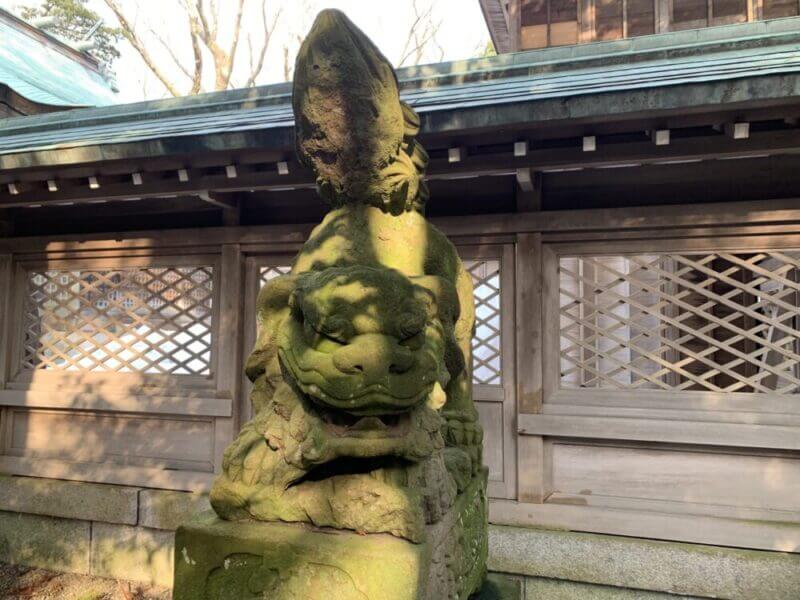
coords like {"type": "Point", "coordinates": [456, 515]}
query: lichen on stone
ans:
{"type": "Point", "coordinates": [364, 418]}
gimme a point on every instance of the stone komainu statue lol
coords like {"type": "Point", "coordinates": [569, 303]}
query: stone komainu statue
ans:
{"type": "Point", "coordinates": [364, 417]}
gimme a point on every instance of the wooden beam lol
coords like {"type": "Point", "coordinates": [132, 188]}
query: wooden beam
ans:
{"type": "Point", "coordinates": [156, 477]}
{"type": "Point", "coordinates": [529, 190]}
{"type": "Point", "coordinates": [738, 131]}
{"type": "Point", "coordinates": [665, 431]}
{"type": "Point", "coordinates": [660, 137]}
{"type": "Point", "coordinates": [782, 216]}
{"type": "Point", "coordinates": [193, 185]}
{"type": "Point", "coordinates": [610, 154]}
{"type": "Point", "coordinates": [231, 207]}
{"type": "Point", "coordinates": [218, 200]}
{"type": "Point", "coordinates": [768, 535]}
{"type": "Point", "coordinates": [455, 155]}
{"type": "Point", "coordinates": [142, 403]}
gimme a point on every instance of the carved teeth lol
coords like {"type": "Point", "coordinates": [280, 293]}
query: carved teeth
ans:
{"type": "Point", "coordinates": [369, 424]}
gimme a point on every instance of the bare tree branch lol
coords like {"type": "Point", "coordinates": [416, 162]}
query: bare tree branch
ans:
{"type": "Point", "coordinates": [197, 79]}
{"type": "Point", "coordinates": [203, 18]}
{"type": "Point", "coordinates": [255, 71]}
{"type": "Point", "coordinates": [237, 30]}
{"type": "Point", "coordinates": [423, 31]}
{"type": "Point", "coordinates": [168, 48]}
{"type": "Point", "coordinates": [287, 65]}
{"type": "Point", "coordinates": [214, 18]}
{"type": "Point", "coordinates": [200, 11]}
{"type": "Point", "coordinates": [129, 32]}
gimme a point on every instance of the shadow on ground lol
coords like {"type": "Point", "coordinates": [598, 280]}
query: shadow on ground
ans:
{"type": "Point", "coordinates": [26, 583]}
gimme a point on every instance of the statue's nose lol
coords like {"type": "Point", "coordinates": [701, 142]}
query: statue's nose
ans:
{"type": "Point", "coordinates": [375, 355]}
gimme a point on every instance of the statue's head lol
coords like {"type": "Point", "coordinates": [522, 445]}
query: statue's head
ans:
{"type": "Point", "coordinates": [351, 127]}
{"type": "Point", "coordinates": [367, 346]}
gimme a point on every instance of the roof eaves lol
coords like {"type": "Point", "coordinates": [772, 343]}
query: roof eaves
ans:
{"type": "Point", "coordinates": [54, 41]}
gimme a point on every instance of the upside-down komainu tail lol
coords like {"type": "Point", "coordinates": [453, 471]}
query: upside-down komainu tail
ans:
{"type": "Point", "coordinates": [363, 415]}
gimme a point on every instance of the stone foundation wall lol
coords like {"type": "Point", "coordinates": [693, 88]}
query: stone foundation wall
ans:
{"type": "Point", "coordinates": [105, 530]}
{"type": "Point", "coordinates": [128, 533]}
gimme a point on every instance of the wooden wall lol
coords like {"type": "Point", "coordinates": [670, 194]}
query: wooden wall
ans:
{"type": "Point", "coordinates": [638, 367]}
{"type": "Point", "coordinates": [545, 23]}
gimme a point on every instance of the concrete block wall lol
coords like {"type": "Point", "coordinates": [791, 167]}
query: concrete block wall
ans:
{"type": "Point", "coordinates": [542, 564]}
{"type": "Point", "coordinates": [105, 530]}
{"type": "Point", "coordinates": [128, 533]}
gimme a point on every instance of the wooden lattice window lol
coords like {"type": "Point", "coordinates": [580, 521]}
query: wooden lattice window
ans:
{"type": "Point", "coordinates": [267, 273]}
{"type": "Point", "coordinates": [130, 320]}
{"type": "Point", "coordinates": [487, 365]}
{"type": "Point", "coordinates": [486, 345]}
{"type": "Point", "coordinates": [713, 321]}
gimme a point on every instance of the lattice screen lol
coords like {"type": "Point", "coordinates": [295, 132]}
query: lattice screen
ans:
{"type": "Point", "coordinates": [486, 349]}
{"type": "Point", "coordinates": [271, 272]}
{"type": "Point", "coordinates": [486, 346]}
{"type": "Point", "coordinates": [722, 322]}
{"type": "Point", "coordinates": [149, 320]}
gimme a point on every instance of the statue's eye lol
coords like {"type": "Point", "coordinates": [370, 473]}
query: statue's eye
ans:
{"type": "Point", "coordinates": [335, 329]}
{"type": "Point", "coordinates": [334, 337]}
{"type": "Point", "coordinates": [409, 325]}
{"type": "Point", "coordinates": [414, 342]}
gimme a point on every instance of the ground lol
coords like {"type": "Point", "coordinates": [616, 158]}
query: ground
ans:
{"type": "Point", "coordinates": [25, 583]}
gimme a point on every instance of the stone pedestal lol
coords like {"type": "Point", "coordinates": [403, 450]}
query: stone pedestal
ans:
{"type": "Point", "coordinates": [225, 560]}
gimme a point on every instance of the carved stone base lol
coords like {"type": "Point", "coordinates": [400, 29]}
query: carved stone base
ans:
{"type": "Point", "coordinates": [226, 560]}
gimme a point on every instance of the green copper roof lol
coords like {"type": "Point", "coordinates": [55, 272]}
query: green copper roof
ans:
{"type": "Point", "coordinates": [43, 70]}
{"type": "Point", "coordinates": [668, 71]}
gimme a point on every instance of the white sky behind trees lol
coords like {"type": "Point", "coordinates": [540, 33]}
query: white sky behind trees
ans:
{"type": "Point", "coordinates": [462, 34]}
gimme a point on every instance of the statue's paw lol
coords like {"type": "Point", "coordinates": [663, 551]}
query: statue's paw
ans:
{"type": "Point", "coordinates": [460, 466]}
{"type": "Point", "coordinates": [243, 458]}
{"type": "Point", "coordinates": [227, 501]}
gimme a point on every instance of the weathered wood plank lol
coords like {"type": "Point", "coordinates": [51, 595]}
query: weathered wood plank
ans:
{"type": "Point", "coordinates": [104, 473]}
{"type": "Point", "coordinates": [168, 442]}
{"type": "Point", "coordinates": [687, 400]}
{"type": "Point", "coordinates": [662, 431]}
{"type": "Point", "coordinates": [784, 537]}
{"type": "Point", "coordinates": [532, 468]}
{"type": "Point", "coordinates": [152, 403]}
{"type": "Point", "coordinates": [589, 471]}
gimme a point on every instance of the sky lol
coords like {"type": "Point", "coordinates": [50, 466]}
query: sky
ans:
{"type": "Point", "coordinates": [462, 34]}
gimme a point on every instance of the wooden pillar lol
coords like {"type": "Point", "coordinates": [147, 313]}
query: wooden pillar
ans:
{"type": "Point", "coordinates": [515, 24]}
{"type": "Point", "coordinates": [586, 14]}
{"type": "Point", "coordinates": [531, 485]}
{"type": "Point", "coordinates": [663, 15]}
{"type": "Point", "coordinates": [6, 279]}
{"type": "Point", "coordinates": [228, 344]}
